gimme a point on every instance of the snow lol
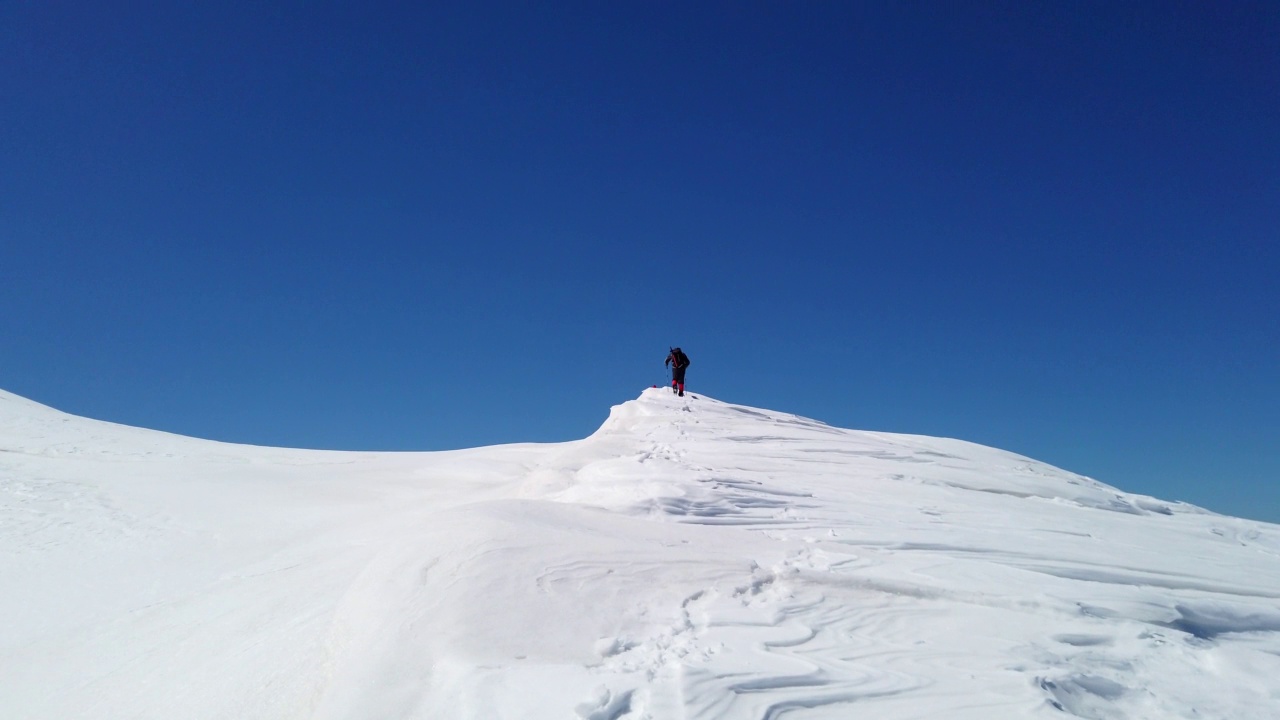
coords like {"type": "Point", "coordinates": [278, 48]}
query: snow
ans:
{"type": "Point", "coordinates": [690, 559]}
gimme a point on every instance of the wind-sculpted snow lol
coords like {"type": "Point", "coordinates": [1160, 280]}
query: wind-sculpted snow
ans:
{"type": "Point", "coordinates": [690, 559]}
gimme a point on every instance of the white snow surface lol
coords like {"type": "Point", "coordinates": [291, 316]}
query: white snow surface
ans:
{"type": "Point", "coordinates": [690, 559]}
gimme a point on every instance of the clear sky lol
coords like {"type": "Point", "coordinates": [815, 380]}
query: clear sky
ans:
{"type": "Point", "coordinates": [1047, 227]}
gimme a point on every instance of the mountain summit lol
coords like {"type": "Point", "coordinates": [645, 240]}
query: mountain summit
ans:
{"type": "Point", "coordinates": [690, 559]}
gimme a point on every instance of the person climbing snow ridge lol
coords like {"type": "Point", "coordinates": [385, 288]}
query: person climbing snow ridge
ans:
{"type": "Point", "coordinates": [678, 362]}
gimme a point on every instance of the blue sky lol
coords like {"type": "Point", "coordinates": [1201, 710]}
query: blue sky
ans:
{"type": "Point", "coordinates": [1051, 228]}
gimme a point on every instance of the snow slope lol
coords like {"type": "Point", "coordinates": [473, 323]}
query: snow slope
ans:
{"type": "Point", "coordinates": [690, 559]}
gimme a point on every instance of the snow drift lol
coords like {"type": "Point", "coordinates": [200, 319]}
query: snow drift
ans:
{"type": "Point", "coordinates": [690, 559]}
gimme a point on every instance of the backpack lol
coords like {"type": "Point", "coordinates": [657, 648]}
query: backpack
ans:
{"type": "Point", "coordinates": [682, 360]}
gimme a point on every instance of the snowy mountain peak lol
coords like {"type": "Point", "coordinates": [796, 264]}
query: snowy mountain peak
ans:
{"type": "Point", "coordinates": [692, 558]}
{"type": "Point", "coordinates": [714, 435]}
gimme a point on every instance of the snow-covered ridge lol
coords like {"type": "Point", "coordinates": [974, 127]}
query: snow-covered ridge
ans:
{"type": "Point", "coordinates": [29, 427]}
{"type": "Point", "coordinates": [690, 559]}
{"type": "Point", "coordinates": [855, 454]}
